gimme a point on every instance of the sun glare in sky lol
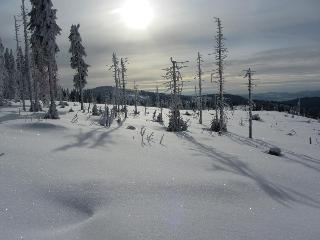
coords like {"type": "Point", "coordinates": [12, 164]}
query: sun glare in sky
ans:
{"type": "Point", "coordinates": [136, 14]}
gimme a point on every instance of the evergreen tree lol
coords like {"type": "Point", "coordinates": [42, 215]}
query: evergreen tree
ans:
{"type": "Point", "coordinates": [7, 76]}
{"type": "Point", "coordinates": [21, 76]}
{"type": "Point", "coordinates": [13, 79]}
{"type": "Point", "coordinates": [3, 73]}
{"type": "Point", "coordinates": [44, 31]}
{"type": "Point", "coordinates": [10, 80]}
{"type": "Point", "coordinates": [27, 67]}
{"type": "Point", "coordinates": [18, 74]}
{"type": "Point", "coordinates": [78, 53]}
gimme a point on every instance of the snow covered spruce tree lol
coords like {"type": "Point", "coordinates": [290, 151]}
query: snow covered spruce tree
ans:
{"type": "Point", "coordinates": [3, 73]}
{"type": "Point", "coordinates": [219, 123]}
{"type": "Point", "coordinates": [174, 83]}
{"type": "Point", "coordinates": [10, 80]}
{"type": "Point", "coordinates": [44, 31]}
{"type": "Point", "coordinates": [78, 53]}
{"type": "Point", "coordinates": [21, 76]}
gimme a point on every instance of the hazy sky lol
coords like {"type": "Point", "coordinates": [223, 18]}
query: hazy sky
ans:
{"type": "Point", "coordinates": [280, 39]}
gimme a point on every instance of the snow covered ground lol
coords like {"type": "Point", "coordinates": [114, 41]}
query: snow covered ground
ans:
{"type": "Point", "coordinates": [63, 180]}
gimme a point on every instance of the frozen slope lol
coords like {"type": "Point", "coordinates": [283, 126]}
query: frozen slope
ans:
{"type": "Point", "coordinates": [60, 180]}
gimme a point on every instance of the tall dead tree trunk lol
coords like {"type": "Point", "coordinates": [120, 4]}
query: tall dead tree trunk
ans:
{"type": "Point", "coordinates": [248, 75]}
{"type": "Point", "coordinates": [135, 98]}
{"type": "Point", "coordinates": [173, 75]}
{"type": "Point", "coordinates": [124, 94]}
{"type": "Point", "coordinates": [52, 113]}
{"type": "Point", "coordinates": [175, 110]}
{"type": "Point", "coordinates": [158, 98]}
{"type": "Point", "coordinates": [19, 65]}
{"type": "Point", "coordinates": [81, 90]}
{"type": "Point", "coordinates": [220, 56]}
{"type": "Point", "coordinates": [118, 90]}
{"type": "Point", "coordinates": [199, 61]}
{"type": "Point", "coordinates": [221, 90]}
{"type": "Point", "coordinates": [27, 55]}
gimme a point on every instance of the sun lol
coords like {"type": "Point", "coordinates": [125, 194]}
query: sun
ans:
{"type": "Point", "coordinates": [136, 14]}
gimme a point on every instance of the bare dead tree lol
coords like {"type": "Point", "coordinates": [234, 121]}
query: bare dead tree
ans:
{"type": "Point", "coordinates": [248, 74]}
{"type": "Point", "coordinates": [161, 140]}
{"type": "Point", "coordinates": [150, 138]}
{"type": "Point", "coordinates": [124, 62]}
{"type": "Point", "coordinates": [158, 98]}
{"type": "Point", "coordinates": [175, 85]}
{"type": "Point", "coordinates": [199, 76]}
{"type": "Point", "coordinates": [220, 56]}
{"type": "Point", "coordinates": [135, 99]}
{"type": "Point", "coordinates": [299, 107]}
{"type": "Point", "coordinates": [143, 133]}
{"type": "Point", "coordinates": [116, 75]}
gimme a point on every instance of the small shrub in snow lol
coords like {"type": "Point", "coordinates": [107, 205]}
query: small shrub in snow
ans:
{"type": "Point", "coordinates": [256, 117]}
{"type": "Point", "coordinates": [63, 104]}
{"type": "Point", "coordinates": [52, 112]}
{"type": "Point", "coordinates": [176, 123]}
{"type": "Point", "coordinates": [215, 126]}
{"type": "Point", "coordinates": [275, 151]}
{"type": "Point", "coordinates": [154, 115]}
{"type": "Point", "coordinates": [131, 128]}
{"type": "Point", "coordinates": [71, 110]}
{"type": "Point", "coordinates": [142, 133]}
{"type": "Point", "coordinates": [95, 111]}
{"type": "Point", "coordinates": [159, 118]}
{"type": "Point", "coordinates": [292, 133]}
{"type": "Point", "coordinates": [161, 140]}
{"type": "Point", "coordinates": [241, 123]}
{"type": "Point", "coordinates": [106, 118]}
{"type": "Point", "coordinates": [150, 138]}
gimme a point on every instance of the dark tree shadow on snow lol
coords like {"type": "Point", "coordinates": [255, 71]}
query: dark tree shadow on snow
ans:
{"type": "Point", "coordinates": [288, 155]}
{"type": "Point", "coordinates": [231, 164]}
{"type": "Point", "coordinates": [91, 139]}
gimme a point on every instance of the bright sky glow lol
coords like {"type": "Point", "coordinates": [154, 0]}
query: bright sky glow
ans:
{"type": "Point", "coordinates": [136, 14]}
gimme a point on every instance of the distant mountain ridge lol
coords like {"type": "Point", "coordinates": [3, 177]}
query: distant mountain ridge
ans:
{"type": "Point", "coordinates": [285, 96]}
{"type": "Point", "coordinates": [108, 91]}
{"type": "Point", "coordinates": [310, 106]}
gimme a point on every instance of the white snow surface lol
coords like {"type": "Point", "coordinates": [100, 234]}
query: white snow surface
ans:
{"type": "Point", "coordinates": [68, 181]}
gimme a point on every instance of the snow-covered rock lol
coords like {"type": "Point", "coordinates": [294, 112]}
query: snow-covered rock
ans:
{"type": "Point", "coordinates": [275, 151]}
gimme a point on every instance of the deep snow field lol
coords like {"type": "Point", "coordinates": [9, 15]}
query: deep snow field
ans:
{"type": "Point", "coordinates": [65, 181]}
